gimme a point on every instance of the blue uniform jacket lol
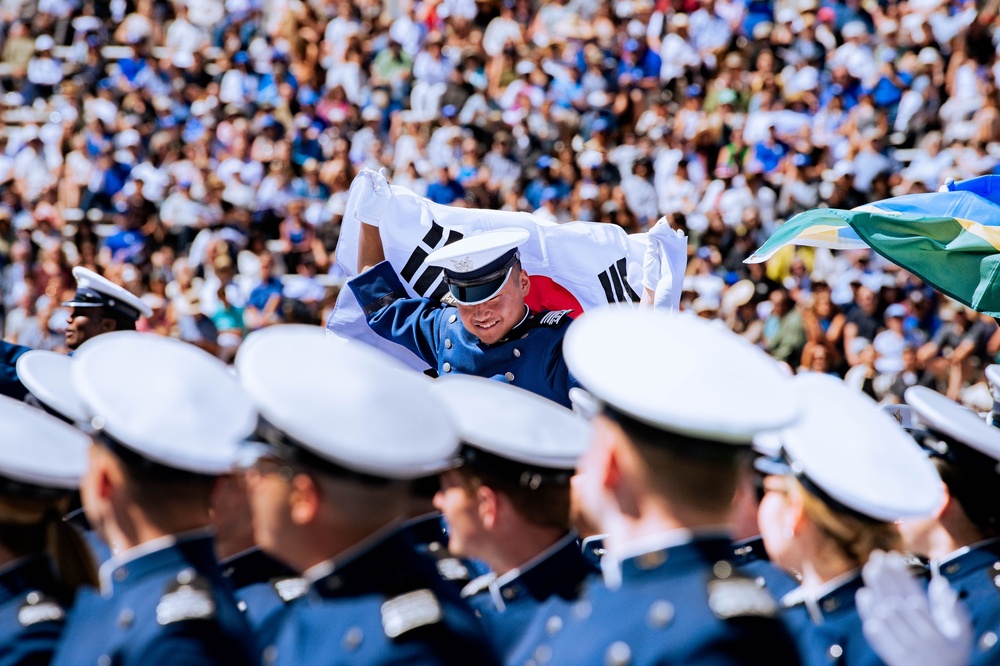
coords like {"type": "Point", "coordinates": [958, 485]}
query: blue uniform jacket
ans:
{"type": "Point", "coordinates": [750, 557]}
{"type": "Point", "coordinates": [170, 606]}
{"type": "Point", "coordinates": [828, 630]}
{"type": "Point", "coordinates": [10, 385]}
{"type": "Point", "coordinates": [529, 357]}
{"type": "Point", "coordinates": [975, 575]}
{"type": "Point", "coordinates": [31, 612]}
{"type": "Point", "coordinates": [260, 583]}
{"type": "Point", "coordinates": [508, 604]}
{"type": "Point", "coordinates": [680, 605]}
{"type": "Point", "coordinates": [385, 605]}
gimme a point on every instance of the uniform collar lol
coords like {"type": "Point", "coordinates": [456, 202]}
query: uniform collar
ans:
{"type": "Point", "coordinates": [378, 555]}
{"type": "Point", "coordinates": [969, 558]}
{"type": "Point", "coordinates": [514, 332]}
{"type": "Point", "coordinates": [253, 566]}
{"type": "Point", "coordinates": [426, 529]}
{"type": "Point", "coordinates": [541, 570]}
{"type": "Point", "coordinates": [833, 595]}
{"type": "Point", "coordinates": [193, 547]}
{"type": "Point", "coordinates": [749, 550]}
{"type": "Point", "coordinates": [647, 553]}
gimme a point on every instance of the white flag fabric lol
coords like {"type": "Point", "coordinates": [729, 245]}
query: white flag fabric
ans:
{"type": "Point", "coordinates": [574, 266]}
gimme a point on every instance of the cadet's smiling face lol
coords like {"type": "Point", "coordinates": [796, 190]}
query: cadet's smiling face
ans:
{"type": "Point", "coordinates": [493, 320]}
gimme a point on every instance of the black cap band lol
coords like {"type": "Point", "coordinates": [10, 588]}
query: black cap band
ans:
{"type": "Point", "coordinates": [86, 297]}
{"type": "Point", "coordinates": [523, 474]}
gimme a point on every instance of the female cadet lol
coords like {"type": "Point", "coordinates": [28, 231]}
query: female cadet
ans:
{"type": "Point", "coordinates": [43, 560]}
{"type": "Point", "coordinates": [845, 473]}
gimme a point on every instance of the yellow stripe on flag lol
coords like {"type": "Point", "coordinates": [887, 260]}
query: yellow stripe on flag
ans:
{"type": "Point", "coordinates": [989, 234]}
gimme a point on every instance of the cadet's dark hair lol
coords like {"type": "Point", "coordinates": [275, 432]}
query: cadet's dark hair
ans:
{"type": "Point", "coordinates": [545, 506]}
{"type": "Point", "coordinates": [976, 488]}
{"type": "Point", "coordinates": [34, 525]}
{"type": "Point", "coordinates": [156, 489]}
{"type": "Point", "coordinates": [697, 474]}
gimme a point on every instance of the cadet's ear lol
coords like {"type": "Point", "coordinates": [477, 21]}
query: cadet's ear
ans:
{"type": "Point", "coordinates": [949, 503]}
{"type": "Point", "coordinates": [108, 325]}
{"type": "Point", "coordinates": [102, 476]}
{"type": "Point", "coordinates": [304, 499]}
{"type": "Point", "coordinates": [524, 282]}
{"type": "Point", "coordinates": [487, 502]}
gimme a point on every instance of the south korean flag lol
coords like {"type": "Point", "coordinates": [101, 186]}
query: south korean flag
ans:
{"type": "Point", "coordinates": [574, 266]}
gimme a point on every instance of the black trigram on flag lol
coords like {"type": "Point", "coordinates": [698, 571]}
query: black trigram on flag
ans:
{"type": "Point", "coordinates": [424, 278]}
{"type": "Point", "coordinates": [615, 283]}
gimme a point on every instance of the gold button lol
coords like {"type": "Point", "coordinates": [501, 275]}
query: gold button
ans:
{"type": "Point", "coordinates": [509, 376]}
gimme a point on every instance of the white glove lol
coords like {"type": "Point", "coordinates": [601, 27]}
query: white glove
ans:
{"type": "Point", "coordinates": [373, 196]}
{"type": "Point", "coordinates": [904, 626]}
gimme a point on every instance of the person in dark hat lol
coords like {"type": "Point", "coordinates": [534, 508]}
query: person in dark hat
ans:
{"type": "Point", "coordinates": [98, 306]}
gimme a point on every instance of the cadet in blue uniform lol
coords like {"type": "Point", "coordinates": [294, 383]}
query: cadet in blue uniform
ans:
{"type": "Point", "coordinates": [488, 331]}
{"type": "Point", "coordinates": [844, 475]}
{"type": "Point", "coordinates": [963, 539]}
{"type": "Point", "coordinates": [42, 560]}
{"type": "Point", "coordinates": [152, 467]}
{"type": "Point", "coordinates": [329, 497]}
{"type": "Point", "coordinates": [659, 480]}
{"type": "Point", "coordinates": [99, 306]}
{"type": "Point", "coordinates": [508, 503]}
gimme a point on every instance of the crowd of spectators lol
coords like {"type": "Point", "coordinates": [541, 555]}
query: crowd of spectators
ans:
{"type": "Point", "coordinates": [200, 153]}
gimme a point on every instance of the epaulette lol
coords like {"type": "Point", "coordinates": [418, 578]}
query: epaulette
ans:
{"type": "Point", "coordinates": [290, 589]}
{"type": "Point", "coordinates": [187, 597]}
{"type": "Point", "coordinates": [39, 608]}
{"type": "Point", "coordinates": [410, 611]}
{"type": "Point", "coordinates": [478, 584]}
{"type": "Point", "coordinates": [552, 318]}
{"type": "Point", "coordinates": [732, 595]}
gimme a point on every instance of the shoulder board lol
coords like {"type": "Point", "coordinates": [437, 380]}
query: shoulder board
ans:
{"type": "Point", "coordinates": [410, 611]}
{"type": "Point", "coordinates": [451, 568]}
{"type": "Point", "coordinates": [478, 584]}
{"type": "Point", "coordinates": [731, 595]}
{"type": "Point", "coordinates": [187, 597]}
{"type": "Point", "coordinates": [39, 608]}
{"type": "Point", "coordinates": [553, 318]}
{"type": "Point", "coordinates": [290, 589]}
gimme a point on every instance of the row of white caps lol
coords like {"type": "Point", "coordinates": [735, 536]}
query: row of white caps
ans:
{"type": "Point", "coordinates": [175, 405]}
{"type": "Point", "coordinates": [180, 407]}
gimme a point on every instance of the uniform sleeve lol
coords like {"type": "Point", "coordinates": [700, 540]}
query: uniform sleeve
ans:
{"type": "Point", "coordinates": [10, 385]}
{"type": "Point", "coordinates": [557, 374]}
{"type": "Point", "coordinates": [393, 315]}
